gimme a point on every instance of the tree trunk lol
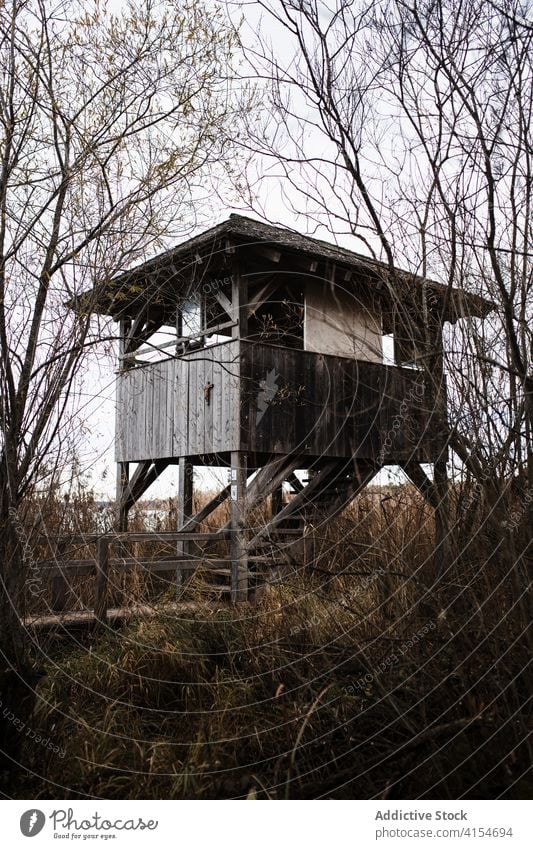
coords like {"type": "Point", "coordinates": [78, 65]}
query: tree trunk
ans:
{"type": "Point", "coordinates": [17, 679]}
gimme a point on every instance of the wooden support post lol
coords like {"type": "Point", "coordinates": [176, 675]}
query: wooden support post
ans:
{"type": "Point", "coordinates": [239, 558]}
{"type": "Point", "coordinates": [102, 576]}
{"type": "Point", "coordinates": [122, 504]}
{"type": "Point", "coordinates": [59, 582]}
{"type": "Point", "coordinates": [185, 509]}
{"type": "Point", "coordinates": [239, 302]}
{"type": "Point", "coordinates": [440, 472]}
{"type": "Point", "coordinates": [59, 593]}
{"type": "Point", "coordinates": [123, 469]}
{"type": "Point", "coordinates": [207, 509]}
{"type": "Point", "coordinates": [442, 542]}
{"type": "Point", "coordinates": [277, 500]}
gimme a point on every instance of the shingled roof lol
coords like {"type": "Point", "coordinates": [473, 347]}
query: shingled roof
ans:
{"type": "Point", "coordinates": [244, 231]}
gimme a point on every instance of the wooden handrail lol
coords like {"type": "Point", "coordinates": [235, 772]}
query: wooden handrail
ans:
{"type": "Point", "coordinates": [156, 536]}
{"type": "Point", "coordinates": [102, 575]}
{"type": "Point", "coordinates": [139, 536]}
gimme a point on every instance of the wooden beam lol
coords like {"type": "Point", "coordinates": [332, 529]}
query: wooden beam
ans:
{"type": "Point", "coordinates": [148, 473]}
{"type": "Point", "coordinates": [202, 514]}
{"type": "Point", "coordinates": [350, 487]}
{"type": "Point", "coordinates": [296, 484]}
{"type": "Point", "coordinates": [124, 329]}
{"type": "Point", "coordinates": [239, 302]}
{"type": "Point", "coordinates": [140, 329]}
{"type": "Point", "coordinates": [298, 502]}
{"type": "Point", "coordinates": [207, 331]}
{"type": "Point", "coordinates": [266, 481]}
{"type": "Point", "coordinates": [185, 508]}
{"type": "Point", "coordinates": [59, 581]}
{"type": "Point", "coordinates": [224, 302]}
{"type": "Point", "coordinates": [142, 469]}
{"type": "Point", "coordinates": [277, 500]}
{"type": "Point", "coordinates": [135, 328]}
{"type": "Point", "coordinates": [239, 559]}
{"type": "Point", "coordinates": [418, 477]}
{"type": "Point", "coordinates": [140, 536]}
{"type": "Point", "coordinates": [269, 478]}
{"type": "Point", "coordinates": [263, 294]}
{"type": "Point", "coordinates": [122, 508]}
{"type": "Point", "coordinates": [271, 254]}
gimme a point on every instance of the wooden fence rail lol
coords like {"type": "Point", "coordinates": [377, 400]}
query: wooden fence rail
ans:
{"type": "Point", "coordinates": [60, 570]}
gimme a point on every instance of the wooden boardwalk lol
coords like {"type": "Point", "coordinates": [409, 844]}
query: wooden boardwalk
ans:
{"type": "Point", "coordinates": [72, 619]}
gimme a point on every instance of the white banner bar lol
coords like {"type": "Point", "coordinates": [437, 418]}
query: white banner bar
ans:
{"type": "Point", "coordinates": [269, 825]}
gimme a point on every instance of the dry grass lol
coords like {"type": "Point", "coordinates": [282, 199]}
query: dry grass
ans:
{"type": "Point", "coordinates": [353, 680]}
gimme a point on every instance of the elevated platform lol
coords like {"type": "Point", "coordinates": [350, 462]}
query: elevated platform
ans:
{"type": "Point", "coordinates": [268, 400]}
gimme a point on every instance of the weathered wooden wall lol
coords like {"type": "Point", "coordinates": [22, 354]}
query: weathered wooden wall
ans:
{"type": "Point", "coordinates": [334, 407]}
{"type": "Point", "coordinates": [266, 399]}
{"type": "Point", "coordinates": [179, 407]}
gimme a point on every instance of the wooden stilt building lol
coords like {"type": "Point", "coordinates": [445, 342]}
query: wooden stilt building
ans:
{"type": "Point", "coordinates": [258, 349]}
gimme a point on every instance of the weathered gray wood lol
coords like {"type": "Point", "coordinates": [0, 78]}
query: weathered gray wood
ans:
{"type": "Point", "coordinates": [207, 509]}
{"type": "Point", "coordinates": [239, 301]}
{"type": "Point", "coordinates": [224, 302]}
{"type": "Point", "coordinates": [326, 406]}
{"type": "Point", "coordinates": [269, 478]}
{"type": "Point", "coordinates": [208, 331]}
{"type": "Point", "coordinates": [162, 410]}
{"type": "Point", "coordinates": [142, 536]}
{"type": "Point", "coordinates": [418, 477]}
{"type": "Point", "coordinates": [145, 475]}
{"type": "Point", "coordinates": [266, 481]}
{"type": "Point", "coordinates": [263, 293]}
{"type": "Point", "coordinates": [77, 568]}
{"type": "Point", "coordinates": [295, 484]}
{"type": "Point", "coordinates": [122, 507]}
{"type": "Point", "coordinates": [180, 429]}
{"type": "Point", "coordinates": [347, 488]}
{"type": "Point", "coordinates": [319, 406]}
{"type": "Point", "coordinates": [59, 590]}
{"type": "Point", "coordinates": [219, 437]}
{"type": "Point", "coordinates": [185, 510]}
{"type": "Point", "coordinates": [239, 564]}
{"type": "Point", "coordinates": [59, 580]}
{"type": "Point", "coordinates": [277, 499]}
{"type": "Point", "coordinates": [298, 502]}
{"type": "Point", "coordinates": [83, 618]}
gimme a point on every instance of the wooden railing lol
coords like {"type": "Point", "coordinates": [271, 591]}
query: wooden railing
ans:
{"type": "Point", "coordinates": [62, 570]}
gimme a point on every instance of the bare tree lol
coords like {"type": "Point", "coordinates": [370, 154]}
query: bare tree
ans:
{"type": "Point", "coordinates": [112, 128]}
{"type": "Point", "coordinates": [407, 125]}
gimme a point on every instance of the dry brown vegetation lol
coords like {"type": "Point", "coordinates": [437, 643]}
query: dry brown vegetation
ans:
{"type": "Point", "coordinates": [352, 680]}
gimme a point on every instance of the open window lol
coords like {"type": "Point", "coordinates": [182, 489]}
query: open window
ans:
{"type": "Point", "coordinates": [387, 343]}
{"type": "Point", "coordinates": [277, 312]}
{"type": "Point", "coordinates": [403, 343]}
{"type": "Point", "coordinates": [190, 323]}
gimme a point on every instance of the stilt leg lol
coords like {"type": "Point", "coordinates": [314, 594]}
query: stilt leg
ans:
{"type": "Point", "coordinates": [239, 557]}
{"type": "Point", "coordinates": [277, 500]}
{"type": "Point", "coordinates": [122, 508]}
{"type": "Point", "coordinates": [442, 545]}
{"type": "Point", "coordinates": [185, 509]}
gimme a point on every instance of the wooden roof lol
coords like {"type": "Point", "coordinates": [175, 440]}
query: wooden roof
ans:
{"type": "Point", "coordinates": [136, 285]}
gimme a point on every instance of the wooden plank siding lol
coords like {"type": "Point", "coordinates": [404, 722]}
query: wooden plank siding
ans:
{"type": "Point", "coordinates": [262, 398]}
{"type": "Point", "coordinates": [163, 412]}
{"type": "Point", "coordinates": [328, 406]}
